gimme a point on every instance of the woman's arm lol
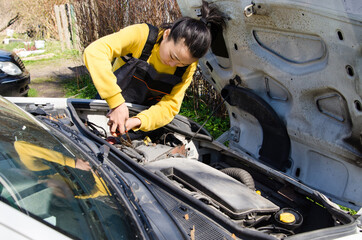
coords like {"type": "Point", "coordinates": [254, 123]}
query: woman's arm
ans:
{"type": "Point", "coordinates": [98, 57]}
{"type": "Point", "coordinates": [164, 111]}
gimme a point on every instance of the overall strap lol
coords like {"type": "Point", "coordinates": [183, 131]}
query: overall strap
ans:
{"type": "Point", "coordinates": [151, 40]}
{"type": "Point", "coordinates": [180, 71]}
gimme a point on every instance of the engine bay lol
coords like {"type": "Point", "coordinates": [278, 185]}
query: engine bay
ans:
{"type": "Point", "coordinates": [249, 195]}
{"type": "Point", "coordinates": [171, 156]}
{"type": "Point", "coordinates": [231, 183]}
{"type": "Point", "coordinates": [232, 191]}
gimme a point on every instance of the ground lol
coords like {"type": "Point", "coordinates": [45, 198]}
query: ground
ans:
{"type": "Point", "coordinates": [48, 78]}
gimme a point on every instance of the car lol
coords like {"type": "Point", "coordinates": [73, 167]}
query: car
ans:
{"type": "Point", "coordinates": [290, 163]}
{"type": "Point", "coordinates": [14, 77]}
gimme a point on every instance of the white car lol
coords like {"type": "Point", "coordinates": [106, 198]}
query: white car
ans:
{"type": "Point", "coordinates": [289, 71]}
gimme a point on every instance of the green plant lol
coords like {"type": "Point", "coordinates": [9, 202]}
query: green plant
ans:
{"type": "Point", "coordinates": [55, 48]}
{"type": "Point", "coordinates": [32, 93]}
{"type": "Point", "coordinates": [54, 52]}
{"type": "Point", "coordinates": [80, 87]}
{"type": "Point", "coordinates": [351, 211]}
{"type": "Point", "coordinates": [215, 125]}
{"type": "Point", "coordinates": [12, 46]}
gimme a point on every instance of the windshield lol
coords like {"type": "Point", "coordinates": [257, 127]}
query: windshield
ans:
{"type": "Point", "coordinates": [51, 181]}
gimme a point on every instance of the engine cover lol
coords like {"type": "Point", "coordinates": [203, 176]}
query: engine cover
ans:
{"type": "Point", "coordinates": [231, 196]}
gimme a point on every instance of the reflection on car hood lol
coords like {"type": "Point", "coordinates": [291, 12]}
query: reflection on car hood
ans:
{"type": "Point", "coordinates": [290, 73]}
{"type": "Point", "coordinates": [39, 164]}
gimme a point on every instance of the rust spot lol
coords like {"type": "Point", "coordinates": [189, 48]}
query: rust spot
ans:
{"type": "Point", "coordinates": [179, 150]}
{"type": "Point", "coordinates": [192, 233]}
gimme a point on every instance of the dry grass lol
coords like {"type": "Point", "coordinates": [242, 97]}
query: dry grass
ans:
{"type": "Point", "coordinates": [97, 18]}
{"type": "Point", "coordinates": [36, 18]}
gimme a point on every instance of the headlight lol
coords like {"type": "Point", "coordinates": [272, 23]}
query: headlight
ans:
{"type": "Point", "coordinates": [10, 68]}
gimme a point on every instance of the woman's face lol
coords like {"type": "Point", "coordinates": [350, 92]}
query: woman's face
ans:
{"type": "Point", "coordinates": [174, 54]}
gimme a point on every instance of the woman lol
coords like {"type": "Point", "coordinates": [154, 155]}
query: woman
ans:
{"type": "Point", "coordinates": [149, 69]}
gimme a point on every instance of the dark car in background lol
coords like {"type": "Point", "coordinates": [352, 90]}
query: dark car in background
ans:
{"type": "Point", "coordinates": [14, 78]}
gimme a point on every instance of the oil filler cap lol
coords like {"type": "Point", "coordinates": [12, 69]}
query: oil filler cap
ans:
{"type": "Point", "coordinates": [287, 217]}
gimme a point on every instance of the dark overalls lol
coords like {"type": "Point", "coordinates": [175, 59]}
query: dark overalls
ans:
{"type": "Point", "coordinates": [140, 82]}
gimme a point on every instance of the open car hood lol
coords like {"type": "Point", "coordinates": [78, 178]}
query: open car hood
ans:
{"type": "Point", "coordinates": [290, 73]}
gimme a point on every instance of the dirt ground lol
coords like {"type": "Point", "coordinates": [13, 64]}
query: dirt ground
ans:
{"type": "Point", "coordinates": [48, 78]}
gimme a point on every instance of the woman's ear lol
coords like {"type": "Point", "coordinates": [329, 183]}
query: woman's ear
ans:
{"type": "Point", "coordinates": [166, 33]}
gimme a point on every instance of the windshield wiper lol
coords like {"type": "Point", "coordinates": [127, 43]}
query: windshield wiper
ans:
{"type": "Point", "coordinates": [115, 176]}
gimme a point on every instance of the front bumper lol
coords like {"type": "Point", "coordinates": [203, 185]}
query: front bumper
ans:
{"type": "Point", "coordinates": [14, 86]}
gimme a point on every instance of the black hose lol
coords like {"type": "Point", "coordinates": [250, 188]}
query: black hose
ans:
{"type": "Point", "coordinates": [240, 175]}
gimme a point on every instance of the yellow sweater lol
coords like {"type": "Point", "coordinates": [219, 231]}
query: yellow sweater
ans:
{"type": "Point", "coordinates": [99, 55]}
{"type": "Point", "coordinates": [32, 156]}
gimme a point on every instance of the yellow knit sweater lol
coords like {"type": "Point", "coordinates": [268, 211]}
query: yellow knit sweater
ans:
{"type": "Point", "coordinates": [99, 55]}
{"type": "Point", "coordinates": [32, 157]}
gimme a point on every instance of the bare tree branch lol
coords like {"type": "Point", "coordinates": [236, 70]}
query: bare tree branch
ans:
{"type": "Point", "coordinates": [11, 22]}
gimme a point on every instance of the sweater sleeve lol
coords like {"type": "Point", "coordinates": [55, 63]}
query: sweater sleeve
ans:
{"type": "Point", "coordinates": [165, 110]}
{"type": "Point", "coordinates": [32, 157]}
{"type": "Point", "coordinates": [98, 57]}
{"type": "Point", "coordinates": [30, 154]}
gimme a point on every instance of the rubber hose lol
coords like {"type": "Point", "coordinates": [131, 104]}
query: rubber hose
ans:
{"type": "Point", "coordinates": [240, 175]}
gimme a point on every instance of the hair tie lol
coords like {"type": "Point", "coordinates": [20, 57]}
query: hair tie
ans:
{"type": "Point", "coordinates": [203, 20]}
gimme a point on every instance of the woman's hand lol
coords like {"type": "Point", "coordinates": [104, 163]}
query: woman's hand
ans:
{"type": "Point", "coordinates": [82, 165]}
{"type": "Point", "coordinates": [118, 117]}
{"type": "Point", "coordinates": [133, 123]}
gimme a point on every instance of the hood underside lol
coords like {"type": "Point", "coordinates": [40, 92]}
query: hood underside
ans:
{"type": "Point", "coordinates": [289, 71]}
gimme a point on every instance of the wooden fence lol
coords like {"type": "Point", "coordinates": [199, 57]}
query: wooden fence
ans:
{"type": "Point", "coordinates": [67, 26]}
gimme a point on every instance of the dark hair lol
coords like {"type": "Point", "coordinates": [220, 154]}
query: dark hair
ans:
{"type": "Point", "coordinates": [197, 33]}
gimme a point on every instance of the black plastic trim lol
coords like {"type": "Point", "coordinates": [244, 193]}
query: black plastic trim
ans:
{"type": "Point", "coordinates": [275, 148]}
